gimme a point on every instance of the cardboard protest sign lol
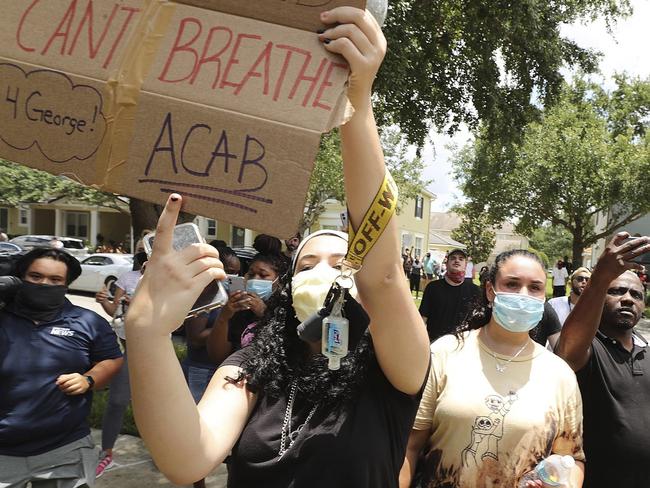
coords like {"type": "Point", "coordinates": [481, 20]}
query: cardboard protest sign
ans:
{"type": "Point", "coordinates": [223, 101]}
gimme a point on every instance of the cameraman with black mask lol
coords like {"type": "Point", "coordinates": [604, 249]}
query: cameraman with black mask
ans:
{"type": "Point", "coordinates": [52, 355]}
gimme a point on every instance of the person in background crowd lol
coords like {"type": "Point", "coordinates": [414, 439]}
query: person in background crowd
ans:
{"type": "Point", "coordinates": [563, 305]}
{"type": "Point", "coordinates": [429, 268]}
{"type": "Point", "coordinates": [496, 403]}
{"type": "Point", "coordinates": [547, 332]}
{"type": "Point", "coordinates": [199, 367]}
{"type": "Point", "coordinates": [286, 419]}
{"type": "Point", "coordinates": [237, 322]}
{"type": "Point", "coordinates": [52, 355]}
{"type": "Point", "coordinates": [407, 262]}
{"type": "Point", "coordinates": [3, 236]}
{"type": "Point", "coordinates": [446, 302]}
{"type": "Point", "coordinates": [469, 269]}
{"type": "Point", "coordinates": [218, 244]}
{"type": "Point", "coordinates": [568, 265]}
{"type": "Point", "coordinates": [612, 363]}
{"type": "Point", "coordinates": [55, 243]}
{"type": "Point", "coordinates": [119, 393]}
{"type": "Point", "coordinates": [291, 245]}
{"type": "Point", "coordinates": [560, 277]}
{"type": "Point", "coordinates": [483, 275]}
{"type": "Point", "coordinates": [414, 277]}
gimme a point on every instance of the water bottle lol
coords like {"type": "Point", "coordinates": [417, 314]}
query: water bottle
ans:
{"type": "Point", "coordinates": [555, 470]}
{"type": "Point", "coordinates": [334, 344]}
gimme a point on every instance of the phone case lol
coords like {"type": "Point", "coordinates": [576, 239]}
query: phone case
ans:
{"type": "Point", "coordinates": [184, 235]}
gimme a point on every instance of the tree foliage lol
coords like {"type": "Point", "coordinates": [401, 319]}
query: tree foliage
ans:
{"type": "Point", "coordinates": [452, 62]}
{"type": "Point", "coordinates": [327, 178]}
{"type": "Point", "coordinates": [554, 241]}
{"type": "Point", "coordinates": [588, 156]}
{"type": "Point", "coordinates": [475, 231]}
{"type": "Point", "coordinates": [20, 184]}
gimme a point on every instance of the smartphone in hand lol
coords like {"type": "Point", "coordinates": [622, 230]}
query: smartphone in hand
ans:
{"type": "Point", "coordinates": [235, 283]}
{"type": "Point", "coordinates": [214, 295]}
{"type": "Point", "coordinates": [641, 259]}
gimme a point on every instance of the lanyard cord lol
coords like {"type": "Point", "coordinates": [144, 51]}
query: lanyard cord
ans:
{"type": "Point", "coordinates": [373, 224]}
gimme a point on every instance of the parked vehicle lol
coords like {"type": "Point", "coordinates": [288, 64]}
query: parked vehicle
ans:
{"type": "Point", "coordinates": [9, 248]}
{"type": "Point", "coordinates": [70, 244]}
{"type": "Point", "coordinates": [102, 269]}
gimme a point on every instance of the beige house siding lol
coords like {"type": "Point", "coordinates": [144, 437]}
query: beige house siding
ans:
{"type": "Point", "coordinates": [10, 221]}
{"type": "Point", "coordinates": [412, 230]}
{"type": "Point", "coordinates": [443, 223]}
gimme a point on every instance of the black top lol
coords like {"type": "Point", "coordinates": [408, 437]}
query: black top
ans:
{"type": "Point", "coordinates": [446, 306]}
{"type": "Point", "coordinates": [241, 329]}
{"type": "Point", "coordinates": [549, 325]}
{"type": "Point", "coordinates": [35, 415]}
{"type": "Point", "coordinates": [615, 387]}
{"type": "Point", "coordinates": [361, 445]}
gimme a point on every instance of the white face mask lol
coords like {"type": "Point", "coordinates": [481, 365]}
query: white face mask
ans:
{"type": "Point", "coordinates": [309, 289]}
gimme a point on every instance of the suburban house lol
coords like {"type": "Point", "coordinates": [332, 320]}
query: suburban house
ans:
{"type": "Point", "coordinates": [412, 221]}
{"type": "Point", "coordinates": [443, 223]}
{"type": "Point", "coordinates": [640, 227]}
{"type": "Point", "coordinates": [73, 219]}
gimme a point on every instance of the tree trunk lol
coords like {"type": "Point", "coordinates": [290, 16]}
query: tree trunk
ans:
{"type": "Point", "coordinates": [144, 215]}
{"type": "Point", "coordinates": [577, 251]}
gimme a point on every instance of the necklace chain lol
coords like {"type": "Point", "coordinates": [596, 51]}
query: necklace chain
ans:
{"type": "Point", "coordinates": [502, 366]}
{"type": "Point", "coordinates": [286, 424]}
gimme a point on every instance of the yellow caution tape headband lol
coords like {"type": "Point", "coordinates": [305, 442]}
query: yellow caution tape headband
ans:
{"type": "Point", "coordinates": [373, 224]}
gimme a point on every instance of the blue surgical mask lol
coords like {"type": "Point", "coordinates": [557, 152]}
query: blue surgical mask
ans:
{"type": "Point", "coordinates": [262, 288]}
{"type": "Point", "coordinates": [516, 312]}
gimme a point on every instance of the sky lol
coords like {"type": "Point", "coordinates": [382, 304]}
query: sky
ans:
{"type": "Point", "coordinates": [625, 49]}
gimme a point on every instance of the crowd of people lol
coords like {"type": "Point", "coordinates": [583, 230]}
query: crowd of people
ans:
{"type": "Point", "coordinates": [480, 387]}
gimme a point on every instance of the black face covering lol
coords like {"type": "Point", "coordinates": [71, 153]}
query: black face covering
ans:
{"type": "Point", "coordinates": [40, 303]}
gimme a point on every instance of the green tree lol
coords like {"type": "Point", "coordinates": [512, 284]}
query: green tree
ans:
{"type": "Point", "coordinates": [327, 178]}
{"type": "Point", "coordinates": [588, 156]}
{"type": "Point", "coordinates": [555, 242]}
{"type": "Point", "coordinates": [475, 231]}
{"type": "Point", "coordinates": [452, 62]}
{"type": "Point", "coordinates": [20, 184]}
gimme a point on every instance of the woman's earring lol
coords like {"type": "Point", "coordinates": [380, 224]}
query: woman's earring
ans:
{"type": "Point", "coordinates": [489, 305]}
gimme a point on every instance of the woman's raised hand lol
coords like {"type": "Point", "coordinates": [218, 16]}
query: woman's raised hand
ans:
{"type": "Point", "coordinates": [173, 279]}
{"type": "Point", "coordinates": [355, 35]}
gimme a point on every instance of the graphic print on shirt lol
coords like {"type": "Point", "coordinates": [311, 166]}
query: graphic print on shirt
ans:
{"type": "Point", "coordinates": [487, 430]}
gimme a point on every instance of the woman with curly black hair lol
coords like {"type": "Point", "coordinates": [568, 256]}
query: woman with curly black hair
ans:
{"type": "Point", "coordinates": [286, 417]}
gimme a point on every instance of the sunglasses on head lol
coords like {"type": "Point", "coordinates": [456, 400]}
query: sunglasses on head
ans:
{"type": "Point", "coordinates": [580, 279]}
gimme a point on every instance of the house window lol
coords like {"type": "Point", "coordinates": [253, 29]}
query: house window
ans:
{"type": "Point", "coordinates": [212, 227]}
{"type": "Point", "coordinates": [419, 206]}
{"type": "Point", "coordinates": [238, 236]}
{"type": "Point", "coordinates": [407, 240]}
{"type": "Point", "coordinates": [76, 224]}
{"type": "Point", "coordinates": [4, 219]}
{"type": "Point", "coordinates": [23, 216]}
{"type": "Point", "coordinates": [417, 248]}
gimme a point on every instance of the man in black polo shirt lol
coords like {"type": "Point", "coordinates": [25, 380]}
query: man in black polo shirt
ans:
{"type": "Point", "coordinates": [446, 302]}
{"type": "Point", "coordinates": [52, 354]}
{"type": "Point", "coordinates": [612, 363]}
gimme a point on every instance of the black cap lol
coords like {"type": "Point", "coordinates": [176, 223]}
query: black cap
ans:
{"type": "Point", "coordinates": [457, 251]}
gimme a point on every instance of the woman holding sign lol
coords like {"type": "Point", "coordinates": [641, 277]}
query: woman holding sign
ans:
{"type": "Point", "coordinates": [288, 416]}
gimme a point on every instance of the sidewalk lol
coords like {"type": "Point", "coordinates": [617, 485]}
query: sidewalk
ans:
{"type": "Point", "coordinates": [135, 469]}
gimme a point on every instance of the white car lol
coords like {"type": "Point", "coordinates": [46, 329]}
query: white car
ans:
{"type": "Point", "coordinates": [102, 269]}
